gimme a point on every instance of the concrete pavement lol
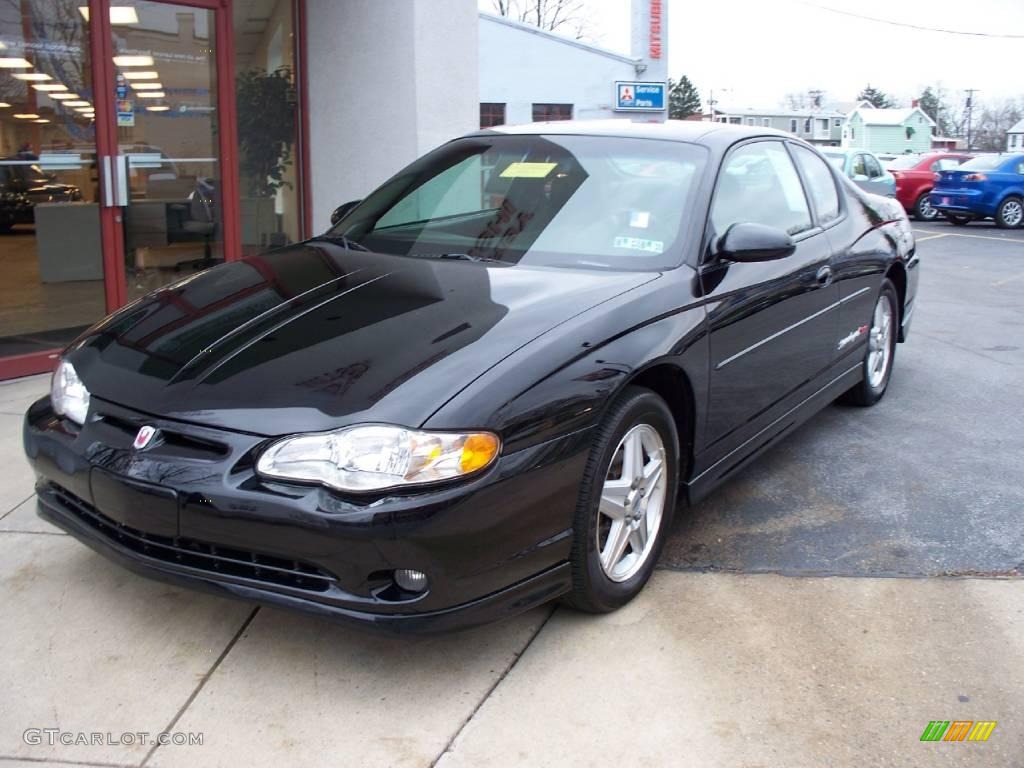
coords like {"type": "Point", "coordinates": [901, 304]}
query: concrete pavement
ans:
{"type": "Point", "coordinates": [704, 669]}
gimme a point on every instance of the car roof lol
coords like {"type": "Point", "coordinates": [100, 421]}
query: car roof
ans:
{"type": "Point", "coordinates": [717, 135]}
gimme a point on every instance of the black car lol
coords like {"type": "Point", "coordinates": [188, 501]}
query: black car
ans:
{"type": "Point", "coordinates": [486, 386]}
{"type": "Point", "coordinates": [23, 184]}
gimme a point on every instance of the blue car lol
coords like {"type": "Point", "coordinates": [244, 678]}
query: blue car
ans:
{"type": "Point", "coordinates": [990, 186]}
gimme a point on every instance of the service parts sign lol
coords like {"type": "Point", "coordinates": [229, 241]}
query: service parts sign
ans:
{"type": "Point", "coordinates": [639, 97]}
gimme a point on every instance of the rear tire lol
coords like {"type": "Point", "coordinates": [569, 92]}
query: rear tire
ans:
{"type": "Point", "coordinates": [626, 503]}
{"type": "Point", "coordinates": [959, 221]}
{"type": "Point", "coordinates": [923, 210]}
{"type": "Point", "coordinates": [881, 350]}
{"type": "Point", "coordinates": [1010, 214]}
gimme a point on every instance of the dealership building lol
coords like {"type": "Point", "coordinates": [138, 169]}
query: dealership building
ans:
{"type": "Point", "coordinates": [142, 140]}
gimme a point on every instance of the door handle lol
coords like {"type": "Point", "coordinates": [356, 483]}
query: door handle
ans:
{"type": "Point", "coordinates": [115, 181]}
{"type": "Point", "coordinates": [824, 277]}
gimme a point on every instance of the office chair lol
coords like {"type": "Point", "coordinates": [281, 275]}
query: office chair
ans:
{"type": "Point", "coordinates": [202, 220]}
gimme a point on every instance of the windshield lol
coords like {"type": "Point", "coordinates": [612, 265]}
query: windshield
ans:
{"type": "Point", "coordinates": [983, 163]}
{"type": "Point", "coordinates": [838, 159]}
{"type": "Point", "coordinates": [903, 162]}
{"type": "Point", "coordinates": [563, 201]}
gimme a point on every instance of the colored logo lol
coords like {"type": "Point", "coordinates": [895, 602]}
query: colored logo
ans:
{"type": "Point", "coordinates": [144, 437]}
{"type": "Point", "coordinates": [958, 730]}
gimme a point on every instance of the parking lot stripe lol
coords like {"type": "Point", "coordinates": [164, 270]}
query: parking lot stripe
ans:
{"type": "Point", "coordinates": [975, 237]}
{"type": "Point", "coordinates": [1009, 279]}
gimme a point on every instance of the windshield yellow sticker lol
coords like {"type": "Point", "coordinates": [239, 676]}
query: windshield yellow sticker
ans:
{"type": "Point", "coordinates": [528, 170]}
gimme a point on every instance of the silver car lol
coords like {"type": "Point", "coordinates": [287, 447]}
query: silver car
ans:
{"type": "Point", "coordinates": [863, 169]}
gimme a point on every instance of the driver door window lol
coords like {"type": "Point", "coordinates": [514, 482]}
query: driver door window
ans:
{"type": "Point", "coordinates": [873, 167]}
{"type": "Point", "coordinates": [759, 185]}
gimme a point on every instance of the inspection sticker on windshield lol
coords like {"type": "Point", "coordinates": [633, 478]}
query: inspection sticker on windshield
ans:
{"type": "Point", "coordinates": [639, 244]}
{"type": "Point", "coordinates": [639, 219]}
{"type": "Point", "coordinates": [528, 170]}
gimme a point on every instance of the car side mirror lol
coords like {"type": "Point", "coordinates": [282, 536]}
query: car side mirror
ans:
{"type": "Point", "coordinates": [342, 211]}
{"type": "Point", "coordinates": [755, 242]}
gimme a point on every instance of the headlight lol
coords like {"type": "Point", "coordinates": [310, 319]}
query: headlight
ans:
{"type": "Point", "coordinates": [68, 394]}
{"type": "Point", "coordinates": [375, 457]}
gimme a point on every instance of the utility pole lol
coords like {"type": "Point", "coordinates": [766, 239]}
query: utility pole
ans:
{"type": "Point", "coordinates": [969, 107]}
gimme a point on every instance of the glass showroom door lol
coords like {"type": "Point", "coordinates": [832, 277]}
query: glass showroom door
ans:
{"type": "Point", "coordinates": [177, 208]}
{"type": "Point", "coordinates": [51, 253]}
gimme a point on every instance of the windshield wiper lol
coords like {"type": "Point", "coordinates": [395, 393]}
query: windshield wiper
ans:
{"type": "Point", "coordinates": [341, 240]}
{"type": "Point", "coordinates": [455, 256]}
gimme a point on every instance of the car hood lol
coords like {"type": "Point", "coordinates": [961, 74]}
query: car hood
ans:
{"type": "Point", "coordinates": [318, 336]}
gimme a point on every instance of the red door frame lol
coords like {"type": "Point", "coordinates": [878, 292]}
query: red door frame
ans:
{"type": "Point", "coordinates": [112, 219]}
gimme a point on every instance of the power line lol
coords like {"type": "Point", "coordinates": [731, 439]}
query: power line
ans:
{"type": "Point", "coordinates": [908, 25]}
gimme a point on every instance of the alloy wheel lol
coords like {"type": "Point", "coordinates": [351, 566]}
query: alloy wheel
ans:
{"type": "Point", "coordinates": [925, 209]}
{"type": "Point", "coordinates": [632, 503]}
{"type": "Point", "coordinates": [879, 344]}
{"type": "Point", "coordinates": [1013, 213]}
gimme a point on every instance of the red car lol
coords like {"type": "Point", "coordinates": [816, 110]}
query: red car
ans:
{"type": "Point", "coordinates": [915, 176]}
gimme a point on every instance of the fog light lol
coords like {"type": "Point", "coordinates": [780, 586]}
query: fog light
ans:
{"type": "Point", "coordinates": [410, 580]}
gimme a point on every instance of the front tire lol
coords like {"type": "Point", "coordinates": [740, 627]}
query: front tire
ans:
{"type": "Point", "coordinates": [881, 350]}
{"type": "Point", "coordinates": [923, 210]}
{"type": "Point", "coordinates": [626, 504]}
{"type": "Point", "coordinates": [1010, 214]}
{"type": "Point", "coordinates": [958, 221]}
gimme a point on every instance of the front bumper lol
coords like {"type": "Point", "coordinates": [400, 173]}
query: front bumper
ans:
{"type": "Point", "coordinates": [191, 511]}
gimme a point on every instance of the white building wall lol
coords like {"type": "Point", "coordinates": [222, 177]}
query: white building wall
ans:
{"type": "Point", "coordinates": [388, 80]}
{"type": "Point", "coordinates": [520, 66]}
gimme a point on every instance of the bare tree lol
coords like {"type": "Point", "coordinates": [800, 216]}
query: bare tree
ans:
{"type": "Point", "coordinates": [812, 98]}
{"type": "Point", "coordinates": [997, 117]}
{"type": "Point", "coordinates": [565, 16]}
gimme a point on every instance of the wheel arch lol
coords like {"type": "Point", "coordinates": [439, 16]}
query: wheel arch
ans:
{"type": "Point", "coordinates": [671, 383]}
{"type": "Point", "coordinates": [897, 274]}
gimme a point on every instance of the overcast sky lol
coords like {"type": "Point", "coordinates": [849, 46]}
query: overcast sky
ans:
{"type": "Point", "coordinates": [762, 49]}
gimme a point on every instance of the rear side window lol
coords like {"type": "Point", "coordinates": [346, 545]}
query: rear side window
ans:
{"type": "Point", "coordinates": [758, 184]}
{"type": "Point", "coordinates": [874, 169]}
{"type": "Point", "coordinates": [983, 163]}
{"type": "Point", "coordinates": [946, 164]}
{"type": "Point", "coordinates": [859, 168]}
{"type": "Point", "coordinates": [821, 186]}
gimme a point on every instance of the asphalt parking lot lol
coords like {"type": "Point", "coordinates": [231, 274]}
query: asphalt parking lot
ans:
{"type": "Point", "coordinates": [855, 583]}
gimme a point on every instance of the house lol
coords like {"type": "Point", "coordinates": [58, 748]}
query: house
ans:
{"type": "Point", "coordinates": [889, 131]}
{"type": "Point", "coordinates": [823, 127]}
{"type": "Point", "coordinates": [1015, 137]}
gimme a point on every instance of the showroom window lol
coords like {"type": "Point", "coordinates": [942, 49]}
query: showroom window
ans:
{"type": "Point", "coordinates": [267, 103]}
{"type": "Point", "coordinates": [543, 113]}
{"type": "Point", "coordinates": [491, 114]}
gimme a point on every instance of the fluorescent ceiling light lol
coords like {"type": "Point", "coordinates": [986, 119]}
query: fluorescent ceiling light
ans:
{"type": "Point", "coordinates": [45, 87]}
{"type": "Point", "coordinates": [41, 120]}
{"type": "Point", "coordinates": [7, 62]}
{"type": "Point", "coordinates": [77, 104]}
{"type": "Point", "coordinates": [132, 61]}
{"type": "Point", "coordinates": [84, 109]}
{"type": "Point", "coordinates": [27, 116]}
{"type": "Point", "coordinates": [151, 94]}
{"type": "Point", "coordinates": [4, 104]}
{"type": "Point", "coordinates": [119, 14]}
{"type": "Point", "coordinates": [31, 76]}
{"type": "Point", "coordinates": [147, 86]}
{"type": "Point", "coordinates": [62, 96]}
{"type": "Point", "coordinates": [141, 74]}
{"type": "Point", "coordinates": [158, 108]}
